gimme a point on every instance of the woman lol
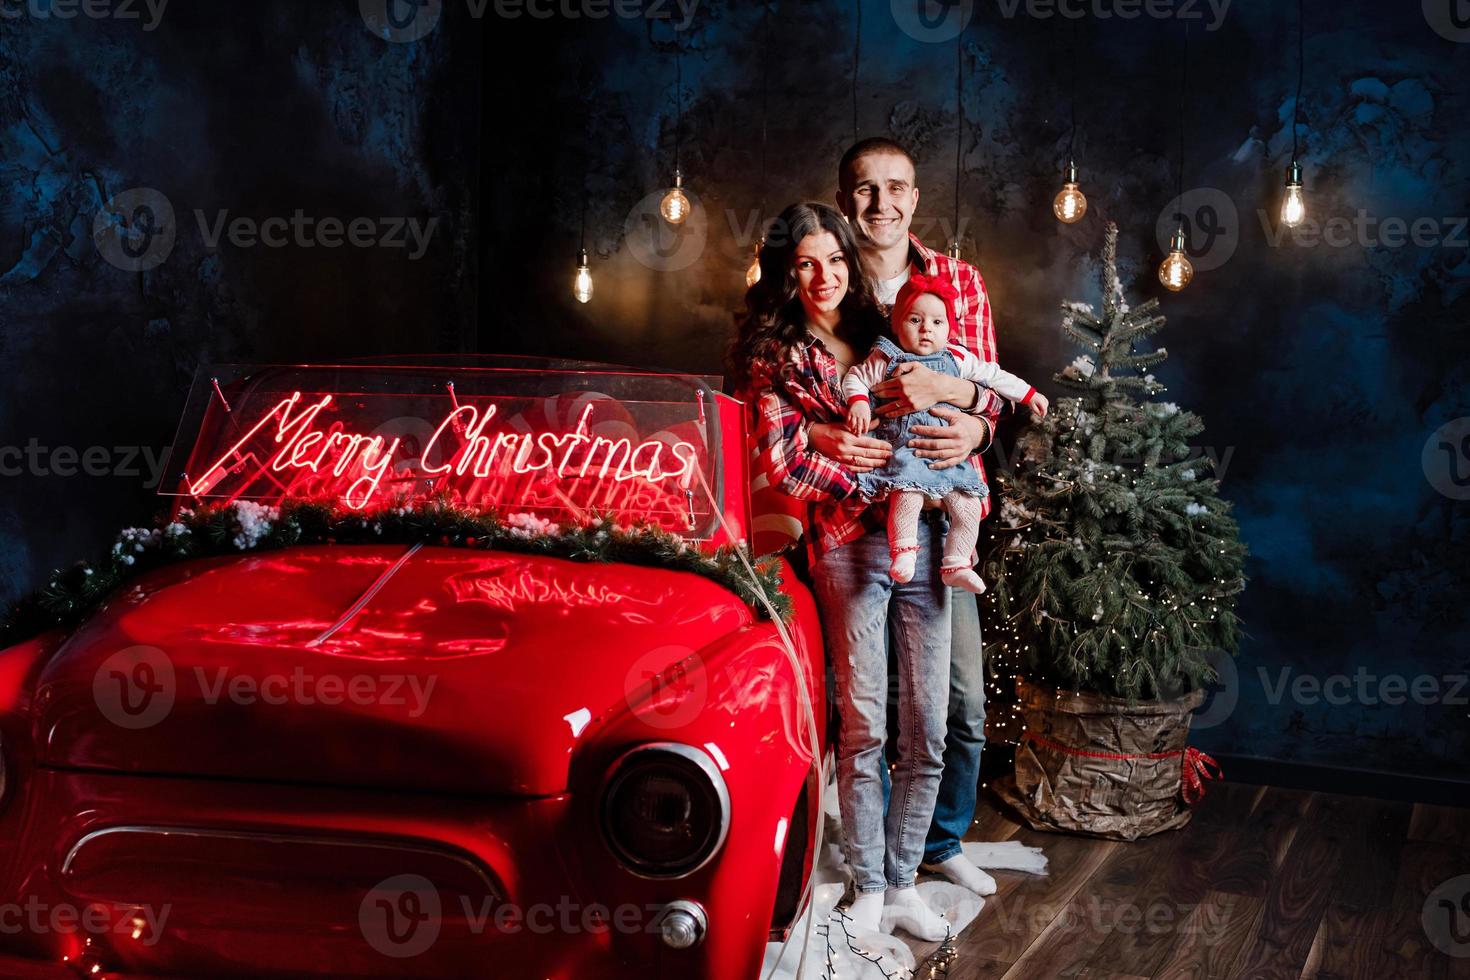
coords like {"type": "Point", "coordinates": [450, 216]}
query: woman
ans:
{"type": "Point", "coordinates": [812, 316]}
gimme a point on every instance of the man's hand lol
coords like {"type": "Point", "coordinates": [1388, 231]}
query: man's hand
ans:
{"type": "Point", "coordinates": [858, 453]}
{"type": "Point", "coordinates": [915, 388]}
{"type": "Point", "coordinates": [952, 444]}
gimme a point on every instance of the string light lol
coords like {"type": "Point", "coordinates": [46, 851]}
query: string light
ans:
{"type": "Point", "coordinates": [959, 132]}
{"type": "Point", "coordinates": [1293, 208]}
{"type": "Point", "coordinates": [753, 271]}
{"type": "Point", "coordinates": [1070, 204]}
{"type": "Point", "coordinates": [857, 47]}
{"type": "Point", "coordinates": [675, 206]}
{"type": "Point", "coordinates": [1176, 271]}
{"type": "Point", "coordinates": [582, 282]}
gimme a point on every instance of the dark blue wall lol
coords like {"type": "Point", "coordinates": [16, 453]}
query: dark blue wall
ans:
{"type": "Point", "coordinates": [1322, 367]}
{"type": "Point", "coordinates": [1322, 370]}
{"type": "Point", "coordinates": [254, 109]}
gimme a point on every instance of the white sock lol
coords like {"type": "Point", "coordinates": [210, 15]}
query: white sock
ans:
{"type": "Point", "coordinates": [866, 911]}
{"type": "Point", "coordinates": [965, 578]}
{"type": "Point", "coordinates": [902, 568]}
{"type": "Point", "coordinates": [962, 871]}
{"type": "Point", "coordinates": [913, 915]}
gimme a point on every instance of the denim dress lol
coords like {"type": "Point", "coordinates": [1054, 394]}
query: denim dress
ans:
{"type": "Point", "coordinates": [904, 470]}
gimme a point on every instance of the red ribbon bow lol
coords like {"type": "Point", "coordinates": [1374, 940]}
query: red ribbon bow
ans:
{"type": "Point", "coordinates": [919, 284]}
{"type": "Point", "coordinates": [938, 285]}
{"type": "Point", "coordinates": [1195, 772]}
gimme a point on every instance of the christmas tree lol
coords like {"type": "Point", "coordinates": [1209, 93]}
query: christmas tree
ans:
{"type": "Point", "coordinates": [1117, 563]}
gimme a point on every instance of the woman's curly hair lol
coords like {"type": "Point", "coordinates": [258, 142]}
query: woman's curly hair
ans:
{"type": "Point", "coordinates": [774, 321]}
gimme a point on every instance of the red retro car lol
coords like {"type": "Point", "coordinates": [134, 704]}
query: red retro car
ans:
{"type": "Point", "coordinates": [364, 758]}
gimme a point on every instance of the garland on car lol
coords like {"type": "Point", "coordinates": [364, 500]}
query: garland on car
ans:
{"type": "Point", "coordinates": [244, 526]}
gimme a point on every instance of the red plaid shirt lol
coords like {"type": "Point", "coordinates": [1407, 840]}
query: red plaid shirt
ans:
{"type": "Point", "coordinates": [810, 392]}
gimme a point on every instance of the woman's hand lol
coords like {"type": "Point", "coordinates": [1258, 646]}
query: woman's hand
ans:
{"type": "Point", "coordinates": [916, 388]}
{"type": "Point", "coordinates": [952, 444]}
{"type": "Point", "coordinates": [858, 453]}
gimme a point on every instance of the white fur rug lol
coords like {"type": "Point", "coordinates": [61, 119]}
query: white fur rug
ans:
{"type": "Point", "coordinates": [836, 949]}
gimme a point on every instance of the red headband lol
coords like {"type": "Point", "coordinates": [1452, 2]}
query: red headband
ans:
{"type": "Point", "coordinates": [917, 286]}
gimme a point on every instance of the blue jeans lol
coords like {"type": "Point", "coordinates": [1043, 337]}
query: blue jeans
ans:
{"type": "Point", "coordinates": [955, 807]}
{"type": "Point", "coordinates": [856, 598]}
{"type": "Point", "coordinates": [958, 786]}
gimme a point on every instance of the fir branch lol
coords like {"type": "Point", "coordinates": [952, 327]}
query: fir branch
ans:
{"type": "Point", "coordinates": [241, 527]}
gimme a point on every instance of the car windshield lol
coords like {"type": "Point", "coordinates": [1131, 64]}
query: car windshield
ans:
{"type": "Point", "coordinates": [558, 439]}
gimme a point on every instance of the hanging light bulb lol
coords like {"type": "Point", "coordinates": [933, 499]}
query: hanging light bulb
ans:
{"type": "Point", "coordinates": [954, 249]}
{"type": "Point", "coordinates": [675, 206]}
{"type": "Point", "coordinates": [1070, 204]}
{"type": "Point", "coordinates": [1293, 208]}
{"type": "Point", "coordinates": [582, 285]}
{"type": "Point", "coordinates": [1175, 272]}
{"type": "Point", "coordinates": [753, 273]}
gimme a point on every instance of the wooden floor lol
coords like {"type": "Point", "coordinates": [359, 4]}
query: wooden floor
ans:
{"type": "Point", "coordinates": [1263, 883]}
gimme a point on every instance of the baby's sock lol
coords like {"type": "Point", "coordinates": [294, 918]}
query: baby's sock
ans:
{"type": "Point", "coordinates": [913, 915]}
{"type": "Point", "coordinates": [904, 554]}
{"type": "Point", "coordinates": [962, 576]}
{"type": "Point", "coordinates": [866, 911]}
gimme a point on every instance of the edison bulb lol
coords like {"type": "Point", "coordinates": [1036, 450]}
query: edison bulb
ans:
{"type": "Point", "coordinates": [1070, 204]}
{"type": "Point", "coordinates": [1175, 272]}
{"type": "Point", "coordinates": [753, 273]}
{"type": "Point", "coordinates": [675, 206]}
{"type": "Point", "coordinates": [582, 285]}
{"type": "Point", "coordinates": [954, 249]}
{"type": "Point", "coordinates": [1293, 206]}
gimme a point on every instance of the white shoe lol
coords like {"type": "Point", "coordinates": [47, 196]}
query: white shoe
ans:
{"type": "Point", "coordinates": [913, 915]}
{"type": "Point", "coordinates": [962, 871]}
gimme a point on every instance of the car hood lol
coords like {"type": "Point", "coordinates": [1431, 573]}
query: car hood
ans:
{"type": "Point", "coordinates": [440, 669]}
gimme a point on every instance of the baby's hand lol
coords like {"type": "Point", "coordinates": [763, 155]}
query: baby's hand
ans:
{"type": "Point", "coordinates": [859, 415]}
{"type": "Point", "coordinates": [1039, 405]}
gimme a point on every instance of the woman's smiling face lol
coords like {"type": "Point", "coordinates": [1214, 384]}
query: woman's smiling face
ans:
{"type": "Point", "coordinates": [821, 274]}
{"type": "Point", "coordinates": [924, 326]}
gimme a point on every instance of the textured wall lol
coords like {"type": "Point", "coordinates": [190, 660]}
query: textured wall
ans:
{"type": "Point", "coordinates": [216, 111]}
{"type": "Point", "coordinates": [1321, 369]}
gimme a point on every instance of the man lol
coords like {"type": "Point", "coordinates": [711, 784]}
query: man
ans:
{"type": "Point", "coordinates": [878, 192]}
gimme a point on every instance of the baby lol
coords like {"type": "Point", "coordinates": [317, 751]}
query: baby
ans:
{"type": "Point", "coordinates": [923, 315]}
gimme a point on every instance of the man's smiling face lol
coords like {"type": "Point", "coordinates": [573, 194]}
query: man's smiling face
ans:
{"type": "Point", "coordinates": [880, 199]}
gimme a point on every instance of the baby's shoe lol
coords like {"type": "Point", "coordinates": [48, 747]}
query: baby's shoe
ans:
{"type": "Point", "coordinates": [962, 576]}
{"type": "Point", "coordinates": [904, 555]}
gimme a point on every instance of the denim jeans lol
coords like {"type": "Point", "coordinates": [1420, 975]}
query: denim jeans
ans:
{"type": "Point", "coordinates": [955, 807]}
{"type": "Point", "coordinates": [856, 598]}
{"type": "Point", "coordinates": [965, 739]}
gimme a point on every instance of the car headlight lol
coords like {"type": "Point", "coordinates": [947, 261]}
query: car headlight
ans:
{"type": "Point", "coordinates": [665, 809]}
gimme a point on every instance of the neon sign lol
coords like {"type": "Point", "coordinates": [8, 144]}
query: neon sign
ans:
{"type": "Point", "coordinates": [481, 452]}
{"type": "Point", "coordinates": [305, 448]}
{"type": "Point", "coordinates": [306, 445]}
